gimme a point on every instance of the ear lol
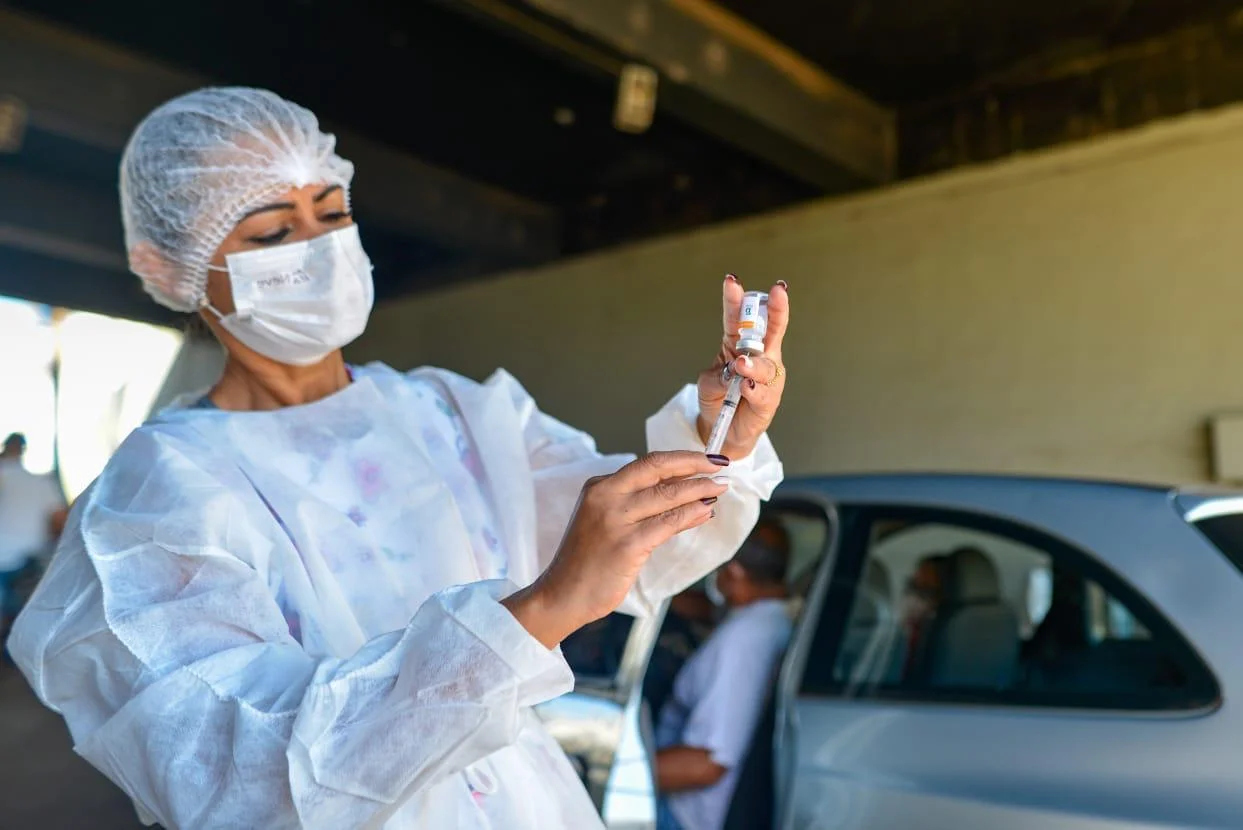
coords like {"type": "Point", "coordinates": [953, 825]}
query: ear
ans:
{"type": "Point", "coordinates": [736, 571]}
{"type": "Point", "coordinates": [152, 267]}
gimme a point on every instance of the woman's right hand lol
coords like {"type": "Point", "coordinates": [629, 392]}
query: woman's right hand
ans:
{"type": "Point", "coordinates": [620, 519]}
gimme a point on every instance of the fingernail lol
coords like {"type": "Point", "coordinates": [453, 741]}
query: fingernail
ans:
{"type": "Point", "coordinates": [723, 481]}
{"type": "Point", "coordinates": [746, 361]}
{"type": "Point", "coordinates": [719, 460]}
{"type": "Point", "coordinates": [731, 278]}
{"type": "Point", "coordinates": [784, 285]}
{"type": "Point", "coordinates": [712, 515]}
{"type": "Point", "coordinates": [750, 383]}
{"type": "Point", "coordinates": [709, 500]}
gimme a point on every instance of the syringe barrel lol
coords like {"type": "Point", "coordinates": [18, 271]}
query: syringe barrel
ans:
{"type": "Point", "coordinates": [725, 417]}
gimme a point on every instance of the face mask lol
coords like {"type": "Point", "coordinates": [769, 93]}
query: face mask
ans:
{"type": "Point", "coordinates": [714, 591]}
{"type": "Point", "coordinates": [300, 302]}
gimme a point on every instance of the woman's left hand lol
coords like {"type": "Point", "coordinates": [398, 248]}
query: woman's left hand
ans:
{"type": "Point", "coordinates": [764, 376]}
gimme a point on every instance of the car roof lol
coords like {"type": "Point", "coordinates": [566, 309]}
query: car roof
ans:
{"type": "Point", "coordinates": [966, 488]}
{"type": "Point", "coordinates": [842, 481]}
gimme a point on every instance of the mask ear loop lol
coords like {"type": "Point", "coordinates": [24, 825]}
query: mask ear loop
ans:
{"type": "Point", "coordinates": [207, 303]}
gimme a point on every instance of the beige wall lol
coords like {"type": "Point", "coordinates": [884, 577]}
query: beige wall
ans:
{"type": "Point", "coordinates": [1079, 311]}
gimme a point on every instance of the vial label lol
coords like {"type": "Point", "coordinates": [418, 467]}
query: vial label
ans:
{"type": "Point", "coordinates": [752, 316]}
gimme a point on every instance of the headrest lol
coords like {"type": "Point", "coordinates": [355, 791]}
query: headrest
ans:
{"type": "Point", "coordinates": [974, 577]}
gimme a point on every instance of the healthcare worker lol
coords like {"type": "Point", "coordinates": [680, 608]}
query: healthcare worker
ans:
{"type": "Point", "coordinates": [327, 596]}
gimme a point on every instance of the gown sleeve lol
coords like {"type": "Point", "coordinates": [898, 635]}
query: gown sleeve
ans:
{"type": "Point", "coordinates": [563, 458]}
{"type": "Point", "coordinates": [157, 639]}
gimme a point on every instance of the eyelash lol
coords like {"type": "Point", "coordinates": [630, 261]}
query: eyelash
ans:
{"type": "Point", "coordinates": [277, 236]}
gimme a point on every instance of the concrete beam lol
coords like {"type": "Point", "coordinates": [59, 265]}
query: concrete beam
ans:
{"type": "Point", "coordinates": [61, 245]}
{"type": "Point", "coordinates": [80, 227]}
{"type": "Point", "coordinates": [60, 221]}
{"type": "Point", "coordinates": [1055, 98]}
{"type": "Point", "coordinates": [32, 276]}
{"type": "Point", "coordinates": [95, 93]}
{"type": "Point", "coordinates": [721, 74]}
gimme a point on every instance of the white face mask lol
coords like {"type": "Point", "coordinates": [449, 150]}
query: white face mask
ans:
{"type": "Point", "coordinates": [300, 302]}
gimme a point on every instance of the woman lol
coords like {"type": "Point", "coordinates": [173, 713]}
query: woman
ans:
{"type": "Point", "coordinates": [327, 596]}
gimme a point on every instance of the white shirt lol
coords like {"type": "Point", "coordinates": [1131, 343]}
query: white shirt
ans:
{"type": "Point", "coordinates": [717, 700]}
{"type": "Point", "coordinates": [291, 618]}
{"type": "Point", "coordinates": [27, 502]}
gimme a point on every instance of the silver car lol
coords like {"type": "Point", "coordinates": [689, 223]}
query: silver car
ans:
{"type": "Point", "coordinates": [971, 652]}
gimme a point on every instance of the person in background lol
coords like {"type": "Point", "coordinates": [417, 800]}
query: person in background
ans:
{"type": "Point", "coordinates": [925, 591]}
{"type": "Point", "coordinates": [28, 504]}
{"type": "Point", "coordinates": [688, 623]}
{"type": "Point", "coordinates": [706, 728]}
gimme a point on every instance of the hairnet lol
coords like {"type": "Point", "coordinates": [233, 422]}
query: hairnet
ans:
{"type": "Point", "coordinates": [197, 164]}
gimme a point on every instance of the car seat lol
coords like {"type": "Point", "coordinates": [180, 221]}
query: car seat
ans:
{"type": "Point", "coordinates": [975, 640]}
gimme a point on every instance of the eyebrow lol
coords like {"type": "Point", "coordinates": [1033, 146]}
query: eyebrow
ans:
{"type": "Point", "coordinates": [266, 208]}
{"type": "Point", "coordinates": [328, 191]}
{"type": "Point", "coordinates": [324, 194]}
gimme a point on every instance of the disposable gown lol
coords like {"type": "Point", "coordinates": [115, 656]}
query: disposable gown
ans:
{"type": "Point", "coordinates": [291, 618]}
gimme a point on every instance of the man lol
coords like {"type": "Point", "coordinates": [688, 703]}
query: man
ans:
{"type": "Point", "coordinates": [29, 505]}
{"type": "Point", "coordinates": [706, 727]}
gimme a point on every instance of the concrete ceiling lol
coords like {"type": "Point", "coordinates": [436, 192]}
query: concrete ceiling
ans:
{"type": "Point", "coordinates": [483, 129]}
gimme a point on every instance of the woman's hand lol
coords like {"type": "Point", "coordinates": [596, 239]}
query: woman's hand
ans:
{"type": "Point", "coordinates": [764, 377]}
{"type": "Point", "coordinates": [620, 519]}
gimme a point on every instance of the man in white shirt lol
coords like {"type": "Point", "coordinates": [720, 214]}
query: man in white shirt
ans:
{"type": "Point", "coordinates": [28, 504]}
{"type": "Point", "coordinates": [706, 727]}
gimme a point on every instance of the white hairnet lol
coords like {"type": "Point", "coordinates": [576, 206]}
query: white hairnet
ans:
{"type": "Point", "coordinates": [197, 164]}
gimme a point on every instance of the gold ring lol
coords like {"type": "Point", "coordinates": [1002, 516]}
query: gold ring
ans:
{"type": "Point", "coordinates": [777, 374]}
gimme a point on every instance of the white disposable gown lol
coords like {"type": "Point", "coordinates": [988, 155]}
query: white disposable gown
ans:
{"type": "Point", "coordinates": [291, 618]}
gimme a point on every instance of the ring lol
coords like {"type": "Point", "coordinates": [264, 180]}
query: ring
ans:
{"type": "Point", "coordinates": [777, 374]}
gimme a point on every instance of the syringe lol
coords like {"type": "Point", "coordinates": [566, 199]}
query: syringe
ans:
{"type": "Point", "coordinates": [752, 327]}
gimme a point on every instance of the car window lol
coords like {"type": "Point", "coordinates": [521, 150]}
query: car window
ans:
{"type": "Point", "coordinates": [595, 651]}
{"type": "Point", "coordinates": [947, 607]}
{"type": "Point", "coordinates": [686, 625]}
{"type": "Point", "coordinates": [1226, 534]}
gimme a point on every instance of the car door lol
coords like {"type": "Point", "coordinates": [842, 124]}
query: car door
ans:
{"type": "Point", "coordinates": [601, 725]}
{"type": "Point", "coordinates": [957, 670]}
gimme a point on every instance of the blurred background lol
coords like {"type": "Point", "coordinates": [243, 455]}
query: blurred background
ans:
{"type": "Point", "coordinates": [1011, 229]}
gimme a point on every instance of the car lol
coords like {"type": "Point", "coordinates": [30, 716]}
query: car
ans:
{"type": "Point", "coordinates": [1077, 670]}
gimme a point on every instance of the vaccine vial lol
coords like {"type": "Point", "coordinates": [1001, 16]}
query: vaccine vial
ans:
{"type": "Point", "coordinates": [752, 322]}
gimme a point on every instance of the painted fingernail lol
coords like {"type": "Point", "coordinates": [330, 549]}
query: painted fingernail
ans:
{"type": "Point", "coordinates": [785, 286]}
{"type": "Point", "coordinates": [719, 460]}
{"type": "Point", "coordinates": [750, 383]}
{"type": "Point", "coordinates": [731, 278]}
{"type": "Point", "coordinates": [709, 500]}
{"type": "Point", "coordinates": [712, 515]}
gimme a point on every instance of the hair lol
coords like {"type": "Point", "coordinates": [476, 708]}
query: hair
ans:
{"type": "Point", "coordinates": [765, 555]}
{"type": "Point", "coordinates": [197, 330]}
{"type": "Point", "coordinates": [941, 565]}
{"type": "Point", "coordinates": [940, 562]}
{"type": "Point", "coordinates": [15, 438]}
